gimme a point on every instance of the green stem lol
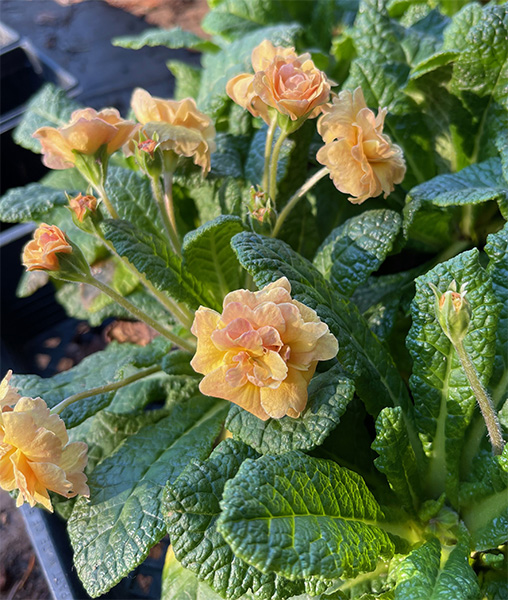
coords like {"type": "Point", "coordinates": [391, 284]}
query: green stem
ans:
{"type": "Point", "coordinates": [268, 150]}
{"type": "Point", "coordinates": [158, 192]}
{"type": "Point", "coordinates": [170, 208]}
{"type": "Point", "coordinates": [110, 387]}
{"type": "Point", "coordinates": [296, 196]}
{"type": "Point", "coordinates": [139, 314]}
{"type": "Point", "coordinates": [177, 310]}
{"type": "Point", "coordinates": [273, 164]}
{"type": "Point", "coordinates": [484, 402]}
{"type": "Point", "coordinates": [104, 197]}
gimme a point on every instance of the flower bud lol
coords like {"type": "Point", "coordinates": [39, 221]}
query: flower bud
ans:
{"type": "Point", "coordinates": [453, 311]}
{"type": "Point", "coordinates": [52, 251]}
{"type": "Point", "coordinates": [260, 205]}
{"type": "Point", "coordinates": [82, 206]}
{"type": "Point", "coordinates": [148, 155]}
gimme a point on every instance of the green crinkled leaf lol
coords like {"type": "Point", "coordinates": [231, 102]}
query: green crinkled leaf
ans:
{"type": "Point", "coordinates": [174, 38]}
{"type": "Point", "coordinates": [152, 257]}
{"type": "Point", "coordinates": [65, 179]}
{"type": "Point", "coordinates": [93, 371]}
{"type": "Point", "coordinates": [444, 401]}
{"type": "Point", "coordinates": [329, 395]}
{"type": "Point", "coordinates": [234, 59]}
{"type": "Point", "coordinates": [396, 457]}
{"type": "Point", "coordinates": [187, 79]}
{"type": "Point", "coordinates": [497, 250]}
{"type": "Point", "coordinates": [313, 511]}
{"type": "Point", "coordinates": [473, 185]}
{"type": "Point", "coordinates": [484, 500]}
{"type": "Point", "coordinates": [192, 505]}
{"type": "Point", "coordinates": [116, 527]}
{"type": "Point", "coordinates": [420, 575]}
{"type": "Point", "coordinates": [208, 256]}
{"type": "Point", "coordinates": [50, 107]}
{"type": "Point", "coordinates": [226, 161]}
{"type": "Point", "coordinates": [431, 63]}
{"type": "Point", "coordinates": [455, 35]}
{"type": "Point", "coordinates": [29, 203]}
{"type": "Point", "coordinates": [376, 378]}
{"type": "Point", "coordinates": [357, 248]}
{"type": "Point", "coordinates": [179, 583]}
{"type": "Point", "coordinates": [131, 195]}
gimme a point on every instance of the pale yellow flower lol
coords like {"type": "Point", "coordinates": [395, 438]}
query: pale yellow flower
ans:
{"type": "Point", "coordinates": [179, 126]}
{"type": "Point", "coordinates": [86, 132]}
{"type": "Point", "coordinates": [41, 252]}
{"type": "Point", "coordinates": [35, 453]}
{"type": "Point", "coordinates": [362, 160]}
{"type": "Point", "coordinates": [262, 351]}
{"type": "Point", "coordinates": [282, 80]}
{"type": "Point", "coordinates": [8, 395]}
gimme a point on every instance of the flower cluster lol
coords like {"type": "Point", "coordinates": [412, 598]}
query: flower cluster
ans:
{"type": "Point", "coordinates": [35, 453]}
{"type": "Point", "coordinates": [262, 351]}
{"type": "Point", "coordinates": [282, 80]}
{"type": "Point", "coordinates": [362, 160]}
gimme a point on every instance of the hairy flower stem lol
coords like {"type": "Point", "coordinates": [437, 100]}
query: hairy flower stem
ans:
{"type": "Point", "coordinates": [170, 207]}
{"type": "Point", "coordinates": [484, 402]}
{"type": "Point", "coordinates": [268, 150]}
{"type": "Point", "coordinates": [110, 387]}
{"type": "Point", "coordinates": [296, 196]}
{"type": "Point", "coordinates": [160, 198]}
{"type": "Point", "coordinates": [107, 202]}
{"type": "Point", "coordinates": [139, 314]}
{"type": "Point", "coordinates": [273, 164]}
{"type": "Point", "coordinates": [176, 309]}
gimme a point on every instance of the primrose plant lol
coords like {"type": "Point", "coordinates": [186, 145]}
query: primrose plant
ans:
{"type": "Point", "coordinates": [314, 228]}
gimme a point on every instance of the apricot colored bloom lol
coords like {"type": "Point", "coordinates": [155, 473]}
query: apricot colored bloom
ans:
{"type": "Point", "coordinates": [36, 456]}
{"type": "Point", "coordinates": [262, 351]}
{"type": "Point", "coordinates": [8, 395]}
{"type": "Point", "coordinates": [179, 126]}
{"type": "Point", "coordinates": [41, 252]}
{"type": "Point", "coordinates": [362, 160]}
{"type": "Point", "coordinates": [86, 132]}
{"type": "Point", "coordinates": [81, 205]}
{"type": "Point", "coordinates": [282, 80]}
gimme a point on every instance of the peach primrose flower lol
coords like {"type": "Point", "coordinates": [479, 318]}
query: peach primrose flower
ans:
{"type": "Point", "coordinates": [362, 160]}
{"type": "Point", "coordinates": [262, 351]}
{"type": "Point", "coordinates": [179, 125]}
{"type": "Point", "coordinates": [41, 252]}
{"type": "Point", "coordinates": [35, 453]}
{"type": "Point", "coordinates": [282, 80]}
{"type": "Point", "coordinates": [82, 204]}
{"type": "Point", "coordinates": [86, 132]}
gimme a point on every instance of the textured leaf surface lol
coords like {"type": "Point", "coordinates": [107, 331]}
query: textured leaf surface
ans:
{"type": "Point", "coordinates": [473, 185]}
{"type": "Point", "coordinates": [322, 518]}
{"type": "Point", "coordinates": [152, 257]}
{"type": "Point", "coordinates": [29, 203]}
{"type": "Point", "coordinates": [131, 195]}
{"type": "Point", "coordinates": [179, 583]}
{"type": "Point", "coordinates": [329, 395]}
{"type": "Point", "coordinates": [170, 38]}
{"type": "Point", "coordinates": [358, 248]}
{"type": "Point", "coordinates": [376, 379]}
{"type": "Point", "coordinates": [192, 503]}
{"type": "Point", "coordinates": [187, 79]}
{"type": "Point", "coordinates": [497, 250]}
{"type": "Point", "coordinates": [93, 371]}
{"type": "Point", "coordinates": [444, 402]}
{"type": "Point", "coordinates": [49, 107]}
{"type": "Point", "coordinates": [396, 457]}
{"type": "Point", "coordinates": [208, 256]}
{"type": "Point", "coordinates": [115, 529]}
{"type": "Point", "coordinates": [421, 575]}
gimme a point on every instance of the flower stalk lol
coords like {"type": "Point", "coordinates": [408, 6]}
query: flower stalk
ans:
{"type": "Point", "coordinates": [296, 196]}
{"type": "Point", "coordinates": [273, 164]}
{"type": "Point", "coordinates": [139, 314]}
{"type": "Point", "coordinates": [103, 389]}
{"type": "Point", "coordinates": [164, 200]}
{"type": "Point", "coordinates": [268, 151]}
